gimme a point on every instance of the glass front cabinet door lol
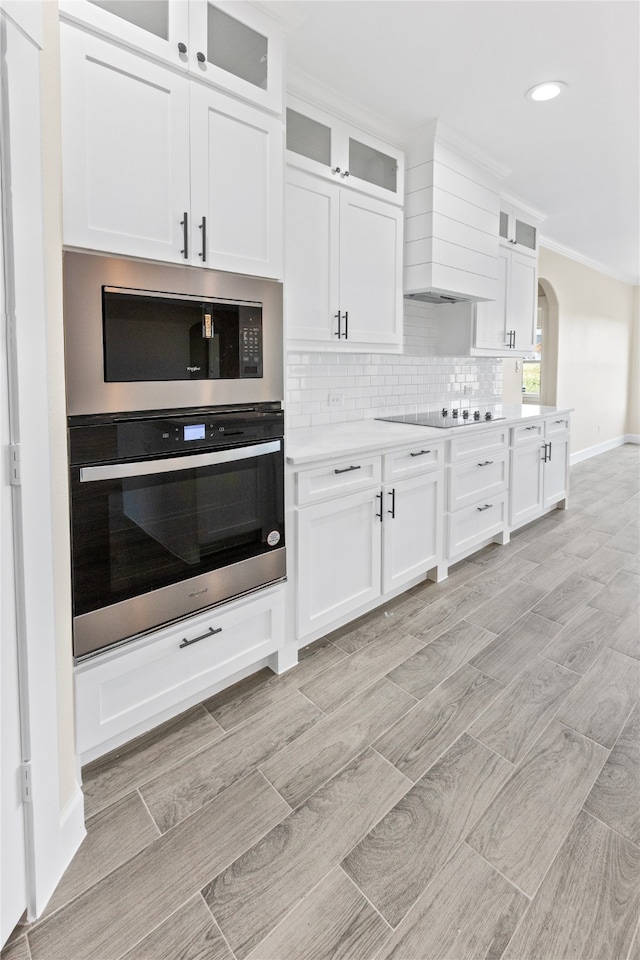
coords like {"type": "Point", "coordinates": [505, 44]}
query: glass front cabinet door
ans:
{"type": "Point", "coordinates": [329, 147]}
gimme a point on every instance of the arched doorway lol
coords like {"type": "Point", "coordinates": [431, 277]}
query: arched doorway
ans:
{"type": "Point", "coordinates": [548, 315]}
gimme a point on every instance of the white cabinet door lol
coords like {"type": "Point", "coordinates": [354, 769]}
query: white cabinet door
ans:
{"type": "Point", "coordinates": [125, 142]}
{"type": "Point", "coordinates": [526, 487]}
{"type": "Point", "coordinates": [236, 185]}
{"type": "Point", "coordinates": [370, 270]}
{"type": "Point", "coordinates": [312, 257]}
{"type": "Point", "coordinates": [237, 47]}
{"type": "Point", "coordinates": [338, 559]}
{"type": "Point", "coordinates": [491, 315]}
{"type": "Point", "coordinates": [343, 266]}
{"type": "Point", "coordinates": [412, 528]}
{"type": "Point", "coordinates": [523, 301]}
{"type": "Point", "coordinates": [556, 470]}
{"type": "Point", "coordinates": [159, 28]}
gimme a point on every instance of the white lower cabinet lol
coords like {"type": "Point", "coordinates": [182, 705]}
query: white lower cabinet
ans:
{"type": "Point", "coordinates": [411, 530]}
{"type": "Point", "coordinates": [339, 558]}
{"type": "Point", "coordinates": [477, 490]}
{"type": "Point", "coordinates": [539, 473]}
{"type": "Point", "coordinates": [355, 546]}
{"type": "Point", "coordinates": [135, 686]}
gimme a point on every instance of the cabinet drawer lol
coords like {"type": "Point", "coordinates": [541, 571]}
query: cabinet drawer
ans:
{"type": "Point", "coordinates": [477, 444]}
{"type": "Point", "coordinates": [557, 425]}
{"type": "Point", "coordinates": [527, 432]}
{"type": "Point", "coordinates": [475, 479]}
{"type": "Point", "coordinates": [469, 527]}
{"type": "Point", "coordinates": [419, 458]}
{"type": "Point", "coordinates": [347, 476]}
{"type": "Point", "coordinates": [135, 683]}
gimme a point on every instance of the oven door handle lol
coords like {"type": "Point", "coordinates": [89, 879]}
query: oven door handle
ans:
{"type": "Point", "coordinates": [141, 468]}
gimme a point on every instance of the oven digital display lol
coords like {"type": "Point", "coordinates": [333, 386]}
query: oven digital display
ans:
{"type": "Point", "coordinates": [193, 431]}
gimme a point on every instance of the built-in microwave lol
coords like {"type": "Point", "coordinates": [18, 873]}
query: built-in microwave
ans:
{"type": "Point", "coordinates": [148, 336]}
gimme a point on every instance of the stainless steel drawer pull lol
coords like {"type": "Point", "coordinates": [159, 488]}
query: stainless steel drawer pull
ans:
{"type": "Point", "coordinates": [487, 506]}
{"type": "Point", "coordinates": [210, 632]}
{"type": "Point", "coordinates": [486, 463]}
{"type": "Point", "coordinates": [347, 469]}
{"type": "Point", "coordinates": [421, 453]}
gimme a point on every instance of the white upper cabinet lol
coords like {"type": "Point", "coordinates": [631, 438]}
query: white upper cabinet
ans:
{"type": "Point", "coordinates": [331, 148]}
{"type": "Point", "coordinates": [159, 167]}
{"type": "Point", "coordinates": [125, 144]}
{"type": "Point", "coordinates": [229, 44]}
{"type": "Point", "coordinates": [343, 267]}
{"type": "Point", "coordinates": [519, 228]}
{"type": "Point", "coordinates": [238, 48]}
{"type": "Point", "coordinates": [237, 155]}
{"type": "Point", "coordinates": [507, 324]}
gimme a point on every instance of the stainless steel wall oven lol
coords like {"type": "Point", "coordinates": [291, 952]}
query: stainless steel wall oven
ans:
{"type": "Point", "coordinates": [174, 390]}
{"type": "Point", "coordinates": [171, 513]}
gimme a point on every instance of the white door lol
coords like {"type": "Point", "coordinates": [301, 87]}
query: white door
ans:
{"type": "Point", "coordinates": [371, 269]}
{"type": "Point", "coordinates": [338, 558]}
{"type": "Point", "coordinates": [412, 528]}
{"type": "Point", "coordinates": [556, 470]}
{"type": "Point", "coordinates": [160, 28]}
{"type": "Point", "coordinates": [523, 301]}
{"type": "Point", "coordinates": [312, 256]}
{"type": "Point", "coordinates": [125, 145]}
{"type": "Point", "coordinates": [491, 315]}
{"type": "Point", "coordinates": [237, 156]}
{"type": "Point", "coordinates": [526, 484]}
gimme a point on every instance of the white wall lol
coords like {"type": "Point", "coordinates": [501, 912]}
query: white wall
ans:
{"type": "Point", "coordinates": [597, 327]}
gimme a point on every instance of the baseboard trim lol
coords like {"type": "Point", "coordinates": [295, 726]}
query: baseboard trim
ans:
{"type": "Point", "coordinates": [599, 448]}
{"type": "Point", "coordinates": [72, 828]}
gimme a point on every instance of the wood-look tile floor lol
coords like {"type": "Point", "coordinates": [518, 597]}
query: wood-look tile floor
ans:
{"type": "Point", "coordinates": [455, 775]}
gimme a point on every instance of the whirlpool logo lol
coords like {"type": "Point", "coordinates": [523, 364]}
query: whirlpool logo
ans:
{"type": "Point", "coordinates": [198, 593]}
{"type": "Point", "coordinates": [193, 369]}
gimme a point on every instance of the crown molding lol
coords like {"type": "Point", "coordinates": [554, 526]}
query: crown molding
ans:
{"type": "Point", "coordinates": [449, 137]}
{"type": "Point", "coordinates": [604, 268]}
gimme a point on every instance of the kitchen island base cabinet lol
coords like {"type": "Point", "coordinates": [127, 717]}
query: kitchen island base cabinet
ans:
{"type": "Point", "coordinates": [126, 691]}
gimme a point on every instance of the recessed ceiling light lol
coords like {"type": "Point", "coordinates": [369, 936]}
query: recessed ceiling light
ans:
{"type": "Point", "coordinates": [546, 91]}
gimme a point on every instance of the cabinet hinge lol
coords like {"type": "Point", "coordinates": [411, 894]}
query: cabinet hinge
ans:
{"type": "Point", "coordinates": [15, 465]}
{"type": "Point", "coordinates": [25, 779]}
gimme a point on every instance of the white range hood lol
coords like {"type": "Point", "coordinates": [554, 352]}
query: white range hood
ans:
{"type": "Point", "coordinates": [452, 212]}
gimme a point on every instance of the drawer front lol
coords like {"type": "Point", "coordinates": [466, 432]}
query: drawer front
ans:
{"type": "Point", "coordinates": [417, 459]}
{"type": "Point", "coordinates": [485, 441]}
{"type": "Point", "coordinates": [557, 425]}
{"type": "Point", "coordinates": [469, 527]}
{"type": "Point", "coordinates": [473, 480]}
{"type": "Point", "coordinates": [155, 674]}
{"type": "Point", "coordinates": [348, 476]}
{"type": "Point", "coordinates": [527, 433]}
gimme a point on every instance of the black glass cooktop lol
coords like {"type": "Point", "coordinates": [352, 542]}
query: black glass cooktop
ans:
{"type": "Point", "coordinates": [446, 418]}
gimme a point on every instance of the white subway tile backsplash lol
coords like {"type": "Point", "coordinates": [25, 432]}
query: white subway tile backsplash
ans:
{"type": "Point", "coordinates": [383, 384]}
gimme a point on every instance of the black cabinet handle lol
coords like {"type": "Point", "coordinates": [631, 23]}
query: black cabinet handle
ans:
{"type": "Point", "coordinates": [184, 223]}
{"type": "Point", "coordinates": [347, 469]}
{"type": "Point", "coordinates": [393, 504]}
{"type": "Point", "coordinates": [549, 458]}
{"type": "Point", "coordinates": [381, 514]}
{"type": "Point", "coordinates": [200, 57]}
{"type": "Point", "coordinates": [531, 428]}
{"type": "Point", "coordinates": [203, 227]}
{"type": "Point", "coordinates": [182, 48]}
{"type": "Point", "coordinates": [487, 506]}
{"type": "Point", "coordinates": [344, 174]}
{"type": "Point", "coordinates": [335, 170]}
{"type": "Point", "coordinates": [210, 632]}
{"type": "Point", "coordinates": [338, 332]}
{"type": "Point", "coordinates": [486, 463]}
{"type": "Point", "coordinates": [346, 324]}
{"type": "Point", "coordinates": [420, 453]}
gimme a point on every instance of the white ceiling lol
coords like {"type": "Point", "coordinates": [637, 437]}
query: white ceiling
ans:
{"type": "Point", "coordinates": [468, 63]}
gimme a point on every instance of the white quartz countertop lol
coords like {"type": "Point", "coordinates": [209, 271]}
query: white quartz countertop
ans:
{"type": "Point", "coordinates": [308, 444]}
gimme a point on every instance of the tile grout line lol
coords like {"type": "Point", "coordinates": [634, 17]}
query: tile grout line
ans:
{"type": "Point", "coordinates": [608, 826]}
{"type": "Point", "coordinates": [215, 922]}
